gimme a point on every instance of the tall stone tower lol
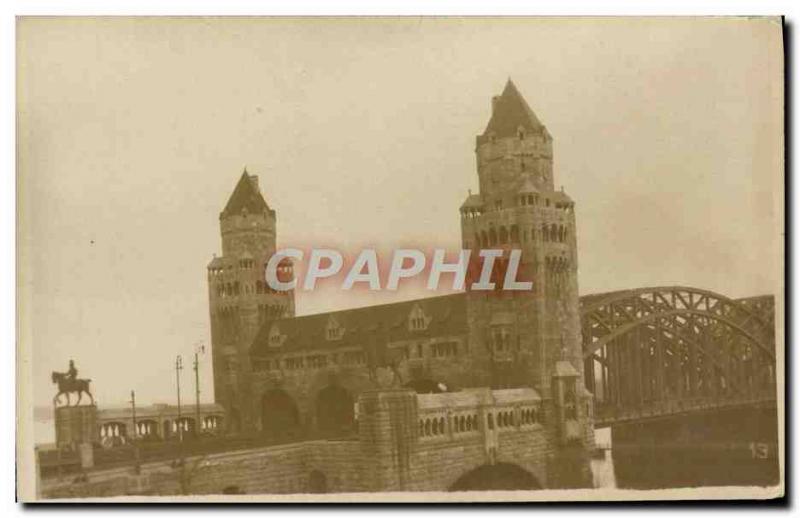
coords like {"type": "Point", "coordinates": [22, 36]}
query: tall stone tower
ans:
{"type": "Point", "coordinates": [522, 335]}
{"type": "Point", "coordinates": [239, 297]}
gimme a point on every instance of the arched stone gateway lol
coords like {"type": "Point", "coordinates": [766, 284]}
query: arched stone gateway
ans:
{"type": "Point", "coordinates": [334, 410]}
{"type": "Point", "coordinates": [502, 476]}
{"type": "Point", "coordinates": [279, 414]}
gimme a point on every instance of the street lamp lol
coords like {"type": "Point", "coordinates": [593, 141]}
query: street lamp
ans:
{"type": "Point", "coordinates": [201, 349]}
{"type": "Point", "coordinates": [178, 369]}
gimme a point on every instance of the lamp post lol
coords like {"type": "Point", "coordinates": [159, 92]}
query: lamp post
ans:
{"type": "Point", "coordinates": [178, 369]}
{"type": "Point", "coordinates": [136, 461]}
{"type": "Point", "coordinates": [133, 414]}
{"type": "Point", "coordinates": [197, 386]}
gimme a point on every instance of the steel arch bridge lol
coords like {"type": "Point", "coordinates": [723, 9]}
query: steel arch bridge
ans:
{"type": "Point", "coordinates": [654, 352]}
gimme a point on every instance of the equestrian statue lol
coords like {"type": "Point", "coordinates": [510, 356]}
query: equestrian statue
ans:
{"type": "Point", "coordinates": [69, 382]}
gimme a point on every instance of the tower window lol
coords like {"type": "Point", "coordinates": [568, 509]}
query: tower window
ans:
{"type": "Point", "coordinates": [502, 340]}
{"type": "Point", "coordinates": [417, 320]}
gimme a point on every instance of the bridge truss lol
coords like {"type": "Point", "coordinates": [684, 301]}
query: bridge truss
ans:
{"type": "Point", "coordinates": [653, 352]}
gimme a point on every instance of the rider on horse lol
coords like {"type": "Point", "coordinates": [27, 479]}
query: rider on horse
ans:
{"type": "Point", "coordinates": [69, 382]}
{"type": "Point", "coordinates": [72, 372]}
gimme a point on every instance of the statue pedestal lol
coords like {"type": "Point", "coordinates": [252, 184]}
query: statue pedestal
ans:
{"type": "Point", "coordinates": [76, 425]}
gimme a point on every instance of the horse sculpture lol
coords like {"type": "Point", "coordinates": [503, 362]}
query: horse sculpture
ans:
{"type": "Point", "coordinates": [67, 385]}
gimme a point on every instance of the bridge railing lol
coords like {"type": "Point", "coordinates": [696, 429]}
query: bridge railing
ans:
{"type": "Point", "coordinates": [63, 462]}
{"type": "Point", "coordinates": [441, 423]}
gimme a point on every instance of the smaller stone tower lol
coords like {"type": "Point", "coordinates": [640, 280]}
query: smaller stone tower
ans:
{"type": "Point", "coordinates": [239, 297]}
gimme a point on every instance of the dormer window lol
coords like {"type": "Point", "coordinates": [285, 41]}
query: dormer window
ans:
{"type": "Point", "coordinates": [417, 320]}
{"type": "Point", "coordinates": [333, 331]}
{"type": "Point", "coordinates": [275, 339]}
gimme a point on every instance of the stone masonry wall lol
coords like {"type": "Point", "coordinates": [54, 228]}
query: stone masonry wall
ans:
{"type": "Point", "coordinates": [394, 452]}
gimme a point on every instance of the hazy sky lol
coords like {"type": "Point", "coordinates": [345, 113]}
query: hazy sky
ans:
{"type": "Point", "coordinates": [133, 133]}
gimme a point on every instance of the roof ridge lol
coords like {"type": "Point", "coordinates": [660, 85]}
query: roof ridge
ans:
{"type": "Point", "coordinates": [376, 306]}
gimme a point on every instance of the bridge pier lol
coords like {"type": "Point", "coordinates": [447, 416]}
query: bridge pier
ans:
{"type": "Point", "coordinates": [713, 448]}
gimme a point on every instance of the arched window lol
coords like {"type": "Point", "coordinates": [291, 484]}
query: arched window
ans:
{"type": "Point", "coordinates": [279, 414]}
{"type": "Point", "coordinates": [514, 234]}
{"type": "Point", "coordinates": [492, 237]}
{"type": "Point", "coordinates": [334, 409]}
{"type": "Point", "coordinates": [503, 236]}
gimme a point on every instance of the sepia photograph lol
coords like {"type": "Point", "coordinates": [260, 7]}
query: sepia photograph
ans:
{"type": "Point", "coordinates": [399, 259]}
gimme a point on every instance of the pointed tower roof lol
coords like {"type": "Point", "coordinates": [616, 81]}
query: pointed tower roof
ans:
{"type": "Point", "coordinates": [246, 195]}
{"type": "Point", "coordinates": [510, 112]}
